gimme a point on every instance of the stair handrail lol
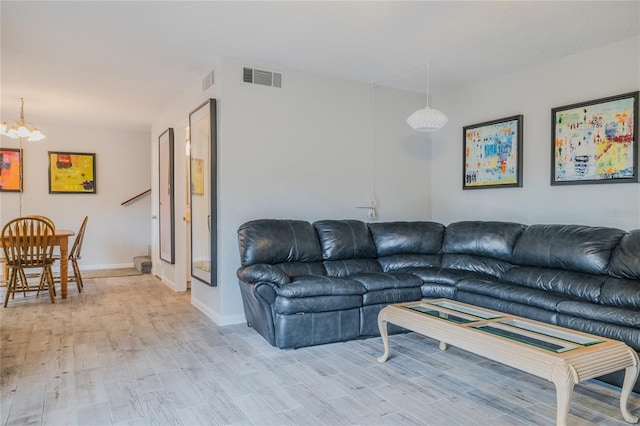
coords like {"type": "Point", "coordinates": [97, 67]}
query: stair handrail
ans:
{"type": "Point", "coordinates": [132, 199]}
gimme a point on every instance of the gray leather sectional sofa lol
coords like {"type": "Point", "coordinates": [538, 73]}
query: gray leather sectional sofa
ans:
{"type": "Point", "coordinates": [307, 284]}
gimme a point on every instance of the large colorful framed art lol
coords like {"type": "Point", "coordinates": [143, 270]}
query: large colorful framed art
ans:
{"type": "Point", "coordinates": [595, 141]}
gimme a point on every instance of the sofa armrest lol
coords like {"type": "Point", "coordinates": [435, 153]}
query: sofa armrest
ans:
{"type": "Point", "coordinates": [263, 272]}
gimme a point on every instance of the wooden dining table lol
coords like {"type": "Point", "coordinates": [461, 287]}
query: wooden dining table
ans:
{"type": "Point", "coordinates": [62, 241]}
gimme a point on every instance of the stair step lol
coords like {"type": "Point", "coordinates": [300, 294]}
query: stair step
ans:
{"type": "Point", "coordinates": [142, 264]}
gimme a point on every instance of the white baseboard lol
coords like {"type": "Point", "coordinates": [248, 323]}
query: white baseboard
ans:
{"type": "Point", "coordinates": [213, 316]}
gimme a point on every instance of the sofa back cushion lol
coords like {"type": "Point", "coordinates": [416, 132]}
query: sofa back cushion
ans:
{"type": "Point", "coordinates": [407, 237]}
{"type": "Point", "coordinates": [408, 244]}
{"type": "Point", "coordinates": [345, 239]}
{"type": "Point", "coordinates": [486, 239]}
{"type": "Point", "coordinates": [625, 260]}
{"type": "Point", "coordinates": [576, 248]}
{"type": "Point", "coordinates": [278, 241]}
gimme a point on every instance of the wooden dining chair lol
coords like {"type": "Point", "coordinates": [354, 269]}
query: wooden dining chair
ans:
{"type": "Point", "coordinates": [74, 256]}
{"type": "Point", "coordinates": [27, 243]}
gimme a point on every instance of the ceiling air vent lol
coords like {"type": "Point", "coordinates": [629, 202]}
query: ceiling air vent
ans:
{"type": "Point", "coordinates": [261, 77]}
{"type": "Point", "coordinates": [207, 81]}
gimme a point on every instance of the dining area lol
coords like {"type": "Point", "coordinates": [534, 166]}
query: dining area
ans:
{"type": "Point", "coordinates": [35, 257]}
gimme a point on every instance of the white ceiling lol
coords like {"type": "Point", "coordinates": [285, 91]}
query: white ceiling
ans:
{"type": "Point", "coordinates": [120, 63]}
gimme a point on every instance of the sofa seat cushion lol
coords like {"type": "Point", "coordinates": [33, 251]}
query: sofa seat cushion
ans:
{"type": "Point", "coordinates": [383, 280]}
{"type": "Point", "coordinates": [444, 275]}
{"type": "Point", "coordinates": [514, 293]}
{"type": "Point", "coordinates": [438, 290]}
{"type": "Point", "coordinates": [628, 335]}
{"type": "Point", "coordinates": [621, 293]}
{"type": "Point", "coordinates": [296, 269]}
{"type": "Point", "coordinates": [576, 284]}
{"type": "Point", "coordinates": [401, 261]}
{"type": "Point", "coordinates": [506, 306]}
{"type": "Point", "coordinates": [315, 285]}
{"type": "Point", "coordinates": [626, 317]}
{"type": "Point", "coordinates": [468, 262]}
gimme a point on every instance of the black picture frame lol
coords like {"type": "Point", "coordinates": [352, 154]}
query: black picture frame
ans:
{"type": "Point", "coordinates": [11, 169]}
{"type": "Point", "coordinates": [492, 153]}
{"type": "Point", "coordinates": [72, 172]}
{"type": "Point", "coordinates": [596, 141]}
{"type": "Point", "coordinates": [166, 198]}
{"type": "Point", "coordinates": [203, 171]}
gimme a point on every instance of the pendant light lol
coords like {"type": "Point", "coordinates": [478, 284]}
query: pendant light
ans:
{"type": "Point", "coordinates": [20, 129]}
{"type": "Point", "coordinates": [427, 119]}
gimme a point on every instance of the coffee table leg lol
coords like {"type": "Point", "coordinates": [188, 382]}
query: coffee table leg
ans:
{"type": "Point", "coordinates": [382, 325]}
{"type": "Point", "coordinates": [564, 379]}
{"type": "Point", "coordinates": [630, 376]}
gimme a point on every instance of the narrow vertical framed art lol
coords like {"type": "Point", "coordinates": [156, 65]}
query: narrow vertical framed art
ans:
{"type": "Point", "coordinates": [10, 170]}
{"type": "Point", "coordinates": [492, 154]}
{"type": "Point", "coordinates": [166, 200]}
{"type": "Point", "coordinates": [595, 141]}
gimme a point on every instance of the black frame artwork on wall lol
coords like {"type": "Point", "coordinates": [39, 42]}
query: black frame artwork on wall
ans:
{"type": "Point", "coordinates": [8, 165]}
{"type": "Point", "coordinates": [595, 141]}
{"type": "Point", "coordinates": [72, 172]}
{"type": "Point", "coordinates": [492, 154]}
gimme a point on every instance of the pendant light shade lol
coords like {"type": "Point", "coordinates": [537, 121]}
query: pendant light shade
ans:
{"type": "Point", "coordinates": [427, 119]}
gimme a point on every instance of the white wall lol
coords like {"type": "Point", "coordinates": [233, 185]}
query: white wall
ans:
{"type": "Point", "coordinates": [302, 152]}
{"type": "Point", "coordinates": [176, 115]}
{"type": "Point", "coordinates": [115, 233]}
{"type": "Point", "coordinates": [600, 72]}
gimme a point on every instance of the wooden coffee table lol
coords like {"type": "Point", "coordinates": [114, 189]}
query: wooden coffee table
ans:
{"type": "Point", "coordinates": [560, 355]}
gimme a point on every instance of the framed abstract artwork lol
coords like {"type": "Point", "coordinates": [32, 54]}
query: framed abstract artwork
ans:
{"type": "Point", "coordinates": [166, 205]}
{"type": "Point", "coordinates": [72, 173]}
{"type": "Point", "coordinates": [10, 170]}
{"type": "Point", "coordinates": [595, 141]}
{"type": "Point", "coordinates": [203, 169]}
{"type": "Point", "coordinates": [492, 154]}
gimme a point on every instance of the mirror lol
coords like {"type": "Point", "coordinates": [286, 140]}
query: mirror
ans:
{"type": "Point", "coordinates": [166, 206]}
{"type": "Point", "coordinates": [203, 168]}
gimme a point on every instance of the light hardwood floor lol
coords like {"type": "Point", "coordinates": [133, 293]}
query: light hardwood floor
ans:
{"type": "Point", "coordinates": [129, 351]}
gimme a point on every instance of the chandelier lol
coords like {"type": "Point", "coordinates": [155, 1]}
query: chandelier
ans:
{"type": "Point", "coordinates": [19, 128]}
{"type": "Point", "coordinates": [427, 119]}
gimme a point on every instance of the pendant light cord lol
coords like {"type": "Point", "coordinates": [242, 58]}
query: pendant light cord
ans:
{"type": "Point", "coordinates": [372, 201]}
{"type": "Point", "coordinates": [428, 69]}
